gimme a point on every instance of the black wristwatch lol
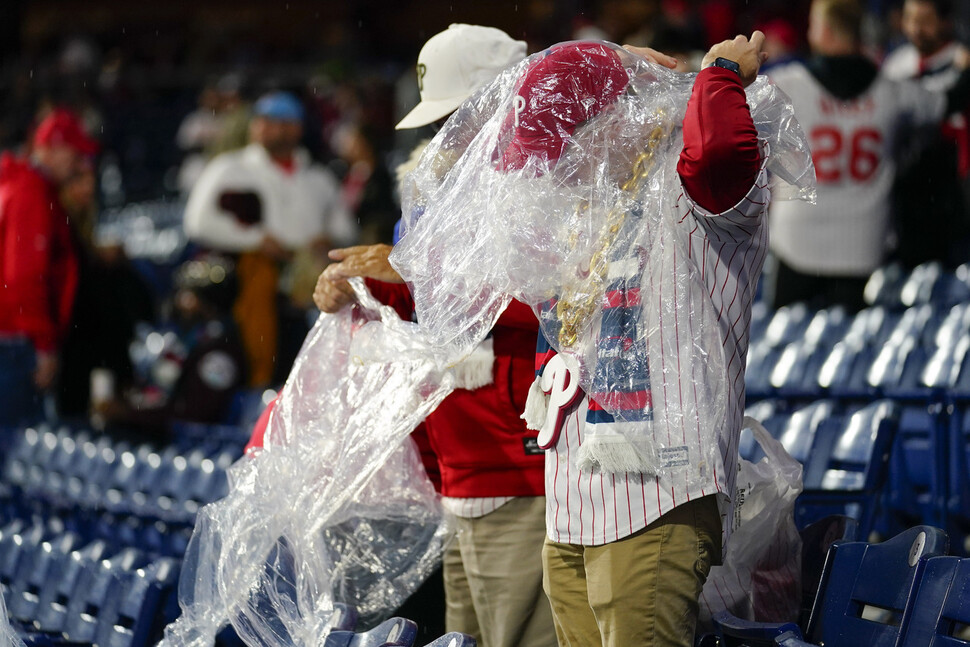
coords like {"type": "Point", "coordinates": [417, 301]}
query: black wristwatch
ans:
{"type": "Point", "coordinates": [727, 64]}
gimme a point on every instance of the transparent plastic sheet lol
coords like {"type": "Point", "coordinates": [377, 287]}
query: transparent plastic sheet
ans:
{"type": "Point", "coordinates": [337, 507]}
{"type": "Point", "coordinates": [555, 186]}
{"type": "Point", "coordinates": [760, 578]}
{"type": "Point", "coordinates": [8, 637]}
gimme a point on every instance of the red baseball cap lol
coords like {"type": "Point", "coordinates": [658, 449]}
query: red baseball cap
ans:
{"type": "Point", "coordinates": [568, 86]}
{"type": "Point", "coordinates": [63, 127]}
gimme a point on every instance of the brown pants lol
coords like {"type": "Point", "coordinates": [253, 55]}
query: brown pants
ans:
{"type": "Point", "coordinates": [255, 314]}
{"type": "Point", "coordinates": [493, 578]}
{"type": "Point", "coordinates": [642, 590]}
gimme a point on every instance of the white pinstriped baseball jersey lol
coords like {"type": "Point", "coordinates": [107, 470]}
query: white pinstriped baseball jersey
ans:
{"type": "Point", "coordinates": [593, 509]}
{"type": "Point", "coordinates": [852, 144]}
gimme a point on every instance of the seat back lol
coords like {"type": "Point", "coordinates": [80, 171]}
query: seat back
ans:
{"type": "Point", "coordinates": [940, 606]}
{"type": "Point", "coordinates": [817, 539]}
{"type": "Point", "coordinates": [396, 632]}
{"type": "Point", "coordinates": [847, 468]}
{"type": "Point", "coordinates": [865, 588]}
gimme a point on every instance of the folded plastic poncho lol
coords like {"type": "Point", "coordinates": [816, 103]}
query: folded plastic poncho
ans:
{"type": "Point", "coordinates": [337, 507]}
{"type": "Point", "coordinates": [554, 186]}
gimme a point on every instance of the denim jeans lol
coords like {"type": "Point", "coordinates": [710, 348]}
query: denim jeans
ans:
{"type": "Point", "coordinates": [20, 401]}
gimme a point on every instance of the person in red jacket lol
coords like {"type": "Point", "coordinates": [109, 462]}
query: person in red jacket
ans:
{"type": "Point", "coordinates": [491, 469]}
{"type": "Point", "coordinates": [38, 263]}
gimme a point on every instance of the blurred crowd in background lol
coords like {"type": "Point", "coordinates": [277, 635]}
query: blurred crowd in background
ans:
{"type": "Point", "coordinates": [164, 89]}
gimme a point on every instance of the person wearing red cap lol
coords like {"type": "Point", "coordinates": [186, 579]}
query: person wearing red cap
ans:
{"type": "Point", "coordinates": [628, 548]}
{"type": "Point", "coordinates": [38, 263]}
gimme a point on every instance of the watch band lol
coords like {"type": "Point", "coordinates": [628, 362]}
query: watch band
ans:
{"type": "Point", "coordinates": [727, 64]}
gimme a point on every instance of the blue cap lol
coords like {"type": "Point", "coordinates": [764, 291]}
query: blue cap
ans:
{"type": "Point", "coordinates": [281, 106]}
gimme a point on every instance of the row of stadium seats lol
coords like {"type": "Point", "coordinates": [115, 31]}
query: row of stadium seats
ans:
{"type": "Point", "coordinates": [58, 588]}
{"type": "Point", "coordinates": [918, 352]}
{"type": "Point", "coordinates": [888, 464]}
{"type": "Point", "coordinates": [905, 592]}
{"type": "Point", "coordinates": [107, 489]}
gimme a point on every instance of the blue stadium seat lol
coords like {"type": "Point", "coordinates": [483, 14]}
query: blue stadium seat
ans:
{"type": "Point", "coordinates": [137, 617]}
{"type": "Point", "coordinates": [37, 569]}
{"type": "Point", "coordinates": [918, 473]}
{"type": "Point", "coordinates": [343, 618]}
{"type": "Point", "coordinates": [15, 547]}
{"type": "Point", "coordinates": [761, 360]}
{"type": "Point", "coordinates": [882, 288]}
{"type": "Point", "coordinates": [897, 368]}
{"type": "Point", "coordinates": [846, 465]}
{"type": "Point", "coordinates": [795, 373]}
{"type": "Point", "coordinates": [863, 592]}
{"type": "Point", "coordinates": [817, 539]}
{"type": "Point", "coordinates": [797, 433]}
{"type": "Point", "coordinates": [50, 612]}
{"type": "Point", "coordinates": [925, 284]}
{"type": "Point", "coordinates": [785, 326]}
{"type": "Point", "coordinates": [844, 371]}
{"type": "Point", "coordinates": [940, 605]}
{"type": "Point", "coordinates": [396, 632]}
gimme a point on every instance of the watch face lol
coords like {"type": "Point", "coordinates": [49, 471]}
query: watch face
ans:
{"type": "Point", "coordinates": [728, 64]}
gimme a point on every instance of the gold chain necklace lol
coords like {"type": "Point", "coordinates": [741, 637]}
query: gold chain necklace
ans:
{"type": "Point", "coordinates": [580, 299]}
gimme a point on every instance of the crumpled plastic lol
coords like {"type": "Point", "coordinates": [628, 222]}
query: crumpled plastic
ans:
{"type": "Point", "coordinates": [760, 578]}
{"type": "Point", "coordinates": [337, 506]}
{"type": "Point", "coordinates": [8, 637]}
{"type": "Point", "coordinates": [554, 186]}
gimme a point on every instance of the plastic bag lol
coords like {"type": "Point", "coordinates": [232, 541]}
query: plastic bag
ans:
{"type": "Point", "coordinates": [555, 186]}
{"type": "Point", "coordinates": [761, 575]}
{"type": "Point", "coordinates": [8, 637]}
{"type": "Point", "coordinates": [338, 507]}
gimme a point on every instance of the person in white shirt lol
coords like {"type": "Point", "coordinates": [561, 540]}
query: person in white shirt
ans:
{"type": "Point", "coordinates": [271, 205]}
{"type": "Point", "coordinates": [854, 119]}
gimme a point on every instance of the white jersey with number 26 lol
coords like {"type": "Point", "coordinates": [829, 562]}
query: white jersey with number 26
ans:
{"type": "Point", "coordinates": [852, 144]}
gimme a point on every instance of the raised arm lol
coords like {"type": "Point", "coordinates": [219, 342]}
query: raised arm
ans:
{"type": "Point", "coordinates": [721, 157]}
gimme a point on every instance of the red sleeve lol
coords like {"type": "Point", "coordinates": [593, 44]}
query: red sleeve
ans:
{"type": "Point", "coordinates": [27, 256]}
{"type": "Point", "coordinates": [721, 159]}
{"type": "Point", "coordinates": [395, 295]}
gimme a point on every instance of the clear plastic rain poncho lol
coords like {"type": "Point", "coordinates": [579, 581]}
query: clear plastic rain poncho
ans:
{"type": "Point", "coordinates": [555, 186]}
{"type": "Point", "coordinates": [336, 508]}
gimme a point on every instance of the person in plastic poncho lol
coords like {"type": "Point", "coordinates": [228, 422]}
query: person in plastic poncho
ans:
{"type": "Point", "coordinates": [491, 470]}
{"type": "Point", "coordinates": [625, 558]}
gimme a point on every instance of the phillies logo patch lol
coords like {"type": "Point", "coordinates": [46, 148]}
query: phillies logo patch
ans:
{"type": "Point", "coordinates": [422, 70]}
{"type": "Point", "coordinates": [518, 103]}
{"type": "Point", "coordinates": [563, 390]}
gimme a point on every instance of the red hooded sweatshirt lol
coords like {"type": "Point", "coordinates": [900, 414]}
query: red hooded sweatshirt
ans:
{"type": "Point", "coordinates": [38, 263]}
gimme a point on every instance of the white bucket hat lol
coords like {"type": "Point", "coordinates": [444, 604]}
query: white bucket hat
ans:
{"type": "Point", "coordinates": [454, 63]}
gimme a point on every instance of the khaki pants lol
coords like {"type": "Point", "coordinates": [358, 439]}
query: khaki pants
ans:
{"type": "Point", "coordinates": [640, 591]}
{"type": "Point", "coordinates": [493, 577]}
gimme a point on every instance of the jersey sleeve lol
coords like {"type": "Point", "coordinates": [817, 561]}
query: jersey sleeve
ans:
{"type": "Point", "coordinates": [721, 156]}
{"type": "Point", "coordinates": [207, 223]}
